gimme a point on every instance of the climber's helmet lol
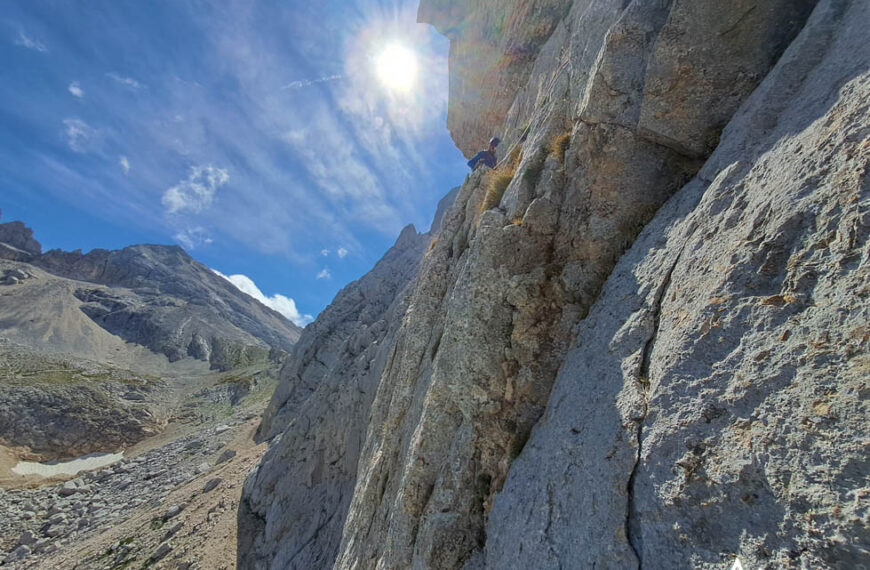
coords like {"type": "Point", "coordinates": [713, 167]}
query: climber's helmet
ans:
{"type": "Point", "coordinates": [493, 142]}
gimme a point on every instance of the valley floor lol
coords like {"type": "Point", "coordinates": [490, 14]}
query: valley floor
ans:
{"type": "Point", "coordinates": [171, 503]}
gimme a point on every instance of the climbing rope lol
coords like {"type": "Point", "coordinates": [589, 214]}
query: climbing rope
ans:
{"type": "Point", "coordinates": [549, 99]}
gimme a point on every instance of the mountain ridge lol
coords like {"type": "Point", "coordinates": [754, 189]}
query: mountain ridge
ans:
{"type": "Point", "coordinates": [152, 270]}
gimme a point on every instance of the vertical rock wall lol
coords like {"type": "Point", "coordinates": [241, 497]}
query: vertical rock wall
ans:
{"type": "Point", "coordinates": [294, 505]}
{"type": "Point", "coordinates": [714, 404]}
{"type": "Point", "coordinates": [618, 111]}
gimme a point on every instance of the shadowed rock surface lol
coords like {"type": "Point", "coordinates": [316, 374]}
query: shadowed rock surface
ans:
{"type": "Point", "coordinates": [322, 404]}
{"type": "Point", "coordinates": [539, 405]}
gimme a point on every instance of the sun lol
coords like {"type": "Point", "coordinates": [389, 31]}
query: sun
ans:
{"type": "Point", "coordinates": [396, 67]}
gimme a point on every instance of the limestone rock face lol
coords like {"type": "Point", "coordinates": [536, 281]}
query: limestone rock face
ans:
{"type": "Point", "coordinates": [714, 402]}
{"type": "Point", "coordinates": [318, 417]}
{"type": "Point", "coordinates": [696, 381]}
{"type": "Point", "coordinates": [493, 46]}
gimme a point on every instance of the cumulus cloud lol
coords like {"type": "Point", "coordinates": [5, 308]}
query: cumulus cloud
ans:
{"type": "Point", "coordinates": [76, 90]}
{"type": "Point", "coordinates": [125, 165]}
{"type": "Point", "coordinates": [80, 136]}
{"type": "Point", "coordinates": [24, 40]}
{"type": "Point", "coordinates": [341, 252]}
{"type": "Point", "coordinates": [324, 274]}
{"type": "Point", "coordinates": [324, 252]}
{"type": "Point", "coordinates": [284, 305]}
{"type": "Point", "coordinates": [191, 238]}
{"type": "Point", "coordinates": [197, 192]}
{"type": "Point", "coordinates": [125, 81]}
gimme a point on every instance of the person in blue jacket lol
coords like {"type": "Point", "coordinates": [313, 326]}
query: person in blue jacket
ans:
{"type": "Point", "coordinates": [486, 157]}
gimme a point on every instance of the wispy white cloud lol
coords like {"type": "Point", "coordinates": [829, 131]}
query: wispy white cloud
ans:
{"type": "Point", "coordinates": [80, 136]}
{"type": "Point", "coordinates": [337, 167]}
{"type": "Point", "coordinates": [284, 305]}
{"type": "Point", "coordinates": [192, 238]}
{"type": "Point", "coordinates": [308, 82]}
{"type": "Point", "coordinates": [125, 81]}
{"type": "Point", "coordinates": [197, 192]}
{"type": "Point", "coordinates": [76, 89]}
{"type": "Point", "coordinates": [24, 40]}
{"type": "Point", "coordinates": [324, 274]}
{"type": "Point", "coordinates": [125, 165]}
{"type": "Point", "coordinates": [324, 252]}
{"type": "Point", "coordinates": [341, 252]}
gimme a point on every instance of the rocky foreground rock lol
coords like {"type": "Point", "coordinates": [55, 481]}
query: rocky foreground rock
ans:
{"type": "Point", "coordinates": [553, 387]}
{"type": "Point", "coordinates": [174, 504]}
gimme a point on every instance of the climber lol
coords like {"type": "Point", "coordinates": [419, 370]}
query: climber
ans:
{"type": "Point", "coordinates": [486, 157]}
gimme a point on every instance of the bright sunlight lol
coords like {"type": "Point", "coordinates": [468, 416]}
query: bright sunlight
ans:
{"type": "Point", "coordinates": [396, 67]}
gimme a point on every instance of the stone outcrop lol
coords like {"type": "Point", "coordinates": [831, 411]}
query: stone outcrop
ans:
{"type": "Point", "coordinates": [318, 416]}
{"type": "Point", "coordinates": [68, 420]}
{"type": "Point", "coordinates": [714, 402]}
{"type": "Point", "coordinates": [493, 46]}
{"type": "Point", "coordinates": [17, 243]}
{"type": "Point", "coordinates": [541, 405]}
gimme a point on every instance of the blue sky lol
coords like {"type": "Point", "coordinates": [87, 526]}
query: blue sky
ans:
{"type": "Point", "coordinates": [256, 134]}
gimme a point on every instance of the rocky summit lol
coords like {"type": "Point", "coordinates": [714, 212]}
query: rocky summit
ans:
{"type": "Point", "coordinates": [155, 296]}
{"type": "Point", "coordinates": [639, 342]}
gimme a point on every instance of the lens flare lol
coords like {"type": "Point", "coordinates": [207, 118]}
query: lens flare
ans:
{"type": "Point", "coordinates": [396, 67]}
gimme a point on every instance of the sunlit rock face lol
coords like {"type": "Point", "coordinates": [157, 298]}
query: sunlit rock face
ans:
{"type": "Point", "coordinates": [493, 46]}
{"type": "Point", "coordinates": [544, 406]}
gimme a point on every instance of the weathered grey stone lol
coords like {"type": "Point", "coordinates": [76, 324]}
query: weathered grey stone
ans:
{"type": "Point", "coordinates": [172, 511]}
{"type": "Point", "coordinates": [173, 530]}
{"type": "Point", "coordinates": [161, 552]}
{"type": "Point", "coordinates": [19, 553]}
{"type": "Point", "coordinates": [211, 485]}
{"type": "Point", "coordinates": [497, 301]}
{"type": "Point", "coordinates": [27, 537]}
{"type": "Point", "coordinates": [325, 391]}
{"type": "Point", "coordinates": [54, 531]}
{"type": "Point", "coordinates": [225, 456]}
{"type": "Point", "coordinates": [58, 518]}
{"type": "Point", "coordinates": [686, 424]}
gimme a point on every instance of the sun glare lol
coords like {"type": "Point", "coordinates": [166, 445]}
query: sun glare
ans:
{"type": "Point", "coordinates": [396, 67]}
